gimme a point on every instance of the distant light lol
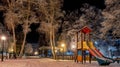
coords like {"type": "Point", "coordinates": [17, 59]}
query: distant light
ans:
{"type": "Point", "coordinates": [62, 45]}
{"type": "Point", "coordinates": [36, 52]}
{"type": "Point", "coordinates": [11, 50]}
{"type": "Point", "coordinates": [73, 46]}
{"type": "Point", "coordinates": [3, 37]}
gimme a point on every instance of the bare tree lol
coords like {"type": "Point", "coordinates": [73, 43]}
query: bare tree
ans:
{"type": "Point", "coordinates": [11, 17]}
{"type": "Point", "coordinates": [28, 17]}
{"type": "Point", "coordinates": [52, 12]}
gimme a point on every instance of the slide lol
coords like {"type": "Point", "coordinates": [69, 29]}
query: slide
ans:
{"type": "Point", "coordinates": [97, 54]}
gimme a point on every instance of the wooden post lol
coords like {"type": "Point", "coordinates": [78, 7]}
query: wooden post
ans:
{"type": "Point", "coordinates": [82, 39]}
{"type": "Point", "coordinates": [84, 54]}
{"type": "Point", "coordinates": [90, 56]}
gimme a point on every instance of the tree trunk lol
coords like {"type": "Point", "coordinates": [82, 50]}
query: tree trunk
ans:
{"type": "Point", "coordinates": [25, 30]}
{"type": "Point", "coordinates": [14, 39]}
{"type": "Point", "coordinates": [54, 43]}
{"type": "Point", "coordinates": [51, 43]}
{"type": "Point", "coordinates": [23, 44]}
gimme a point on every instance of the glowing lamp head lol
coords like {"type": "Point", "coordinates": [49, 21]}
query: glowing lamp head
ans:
{"type": "Point", "coordinates": [62, 45]}
{"type": "Point", "coordinates": [3, 38]}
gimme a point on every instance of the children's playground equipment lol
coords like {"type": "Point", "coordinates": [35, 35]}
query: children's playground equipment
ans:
{"type": "Point", "coordinates": [85, 44]}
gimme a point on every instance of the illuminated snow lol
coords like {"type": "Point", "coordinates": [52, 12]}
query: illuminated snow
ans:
{"type": "Point", "coordinates": [49, 63]}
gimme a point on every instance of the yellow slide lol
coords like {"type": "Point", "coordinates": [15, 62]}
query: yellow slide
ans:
{"type": "Point", "coordinates": [85, 47]}
{"type": "Point", "coordinates": [91, 45]}
{"type": "Point", "coordinates": [95, 49]}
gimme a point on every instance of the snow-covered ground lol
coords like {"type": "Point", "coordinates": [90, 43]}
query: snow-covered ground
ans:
{"type": "Point", "coordinates": [46, 62]}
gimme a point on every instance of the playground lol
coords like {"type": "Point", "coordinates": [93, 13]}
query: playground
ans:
{"type": "Point", "coordinates": [85, 44]}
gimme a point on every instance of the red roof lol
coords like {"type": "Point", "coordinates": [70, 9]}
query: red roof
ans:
{"type": "Point", "coordinates": [86, 30]}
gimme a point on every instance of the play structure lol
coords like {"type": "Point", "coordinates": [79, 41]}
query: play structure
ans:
{"type": "Point", "coordinates": [85, 44]}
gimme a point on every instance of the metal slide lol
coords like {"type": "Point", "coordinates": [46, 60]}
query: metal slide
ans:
{"type": "Point", "coordinates": [98, 55]}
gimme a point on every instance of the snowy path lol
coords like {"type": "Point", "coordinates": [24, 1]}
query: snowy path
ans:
{"type": "Point", "coordinates": [48, 63]}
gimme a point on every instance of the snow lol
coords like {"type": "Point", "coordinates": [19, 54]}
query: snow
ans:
{"type": "Point", "coordinates": [46, 62]}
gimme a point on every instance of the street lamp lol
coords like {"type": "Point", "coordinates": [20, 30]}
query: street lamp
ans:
{"type": "Point", "coordinates": [3, 38]}
{"type": "Point", "coordinates": [63, 45]}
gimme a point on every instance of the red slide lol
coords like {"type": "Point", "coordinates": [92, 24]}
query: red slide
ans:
{"type": "Point", "coordinates": [98, 52]}
{"type": "Point", "coordinates": [99, 56]}
{"type": "Point", "coordinates": [92, 53]}
{"type": "Point", "coordinates": [94, 49]}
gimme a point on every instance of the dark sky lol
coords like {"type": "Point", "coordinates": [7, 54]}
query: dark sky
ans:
{"type": "Point", "coordinates": [33, 36]}
{"type": "Point", "coordinates": [1, 17]}
{"type": "Point", "coordinates": [76, 4]}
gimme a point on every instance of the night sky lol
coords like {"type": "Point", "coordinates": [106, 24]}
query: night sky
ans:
{"type": "Point", "coordinates": [33, 36]}
{"type": "Point", "coordinates": [76, 4]}
{"type": "Point", "coordinates": [69, 5]}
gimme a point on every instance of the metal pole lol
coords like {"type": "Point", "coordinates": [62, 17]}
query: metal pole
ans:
{"type": "Point", "coordinates": [63, 53]}
{"type": "Point", "coordinates": [2, 51]}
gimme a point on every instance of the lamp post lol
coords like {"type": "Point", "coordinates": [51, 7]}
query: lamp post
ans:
{"type": "Point", "coordinates": [3, 38]}
{"type": "Point", "coordinates": [63, 45]}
